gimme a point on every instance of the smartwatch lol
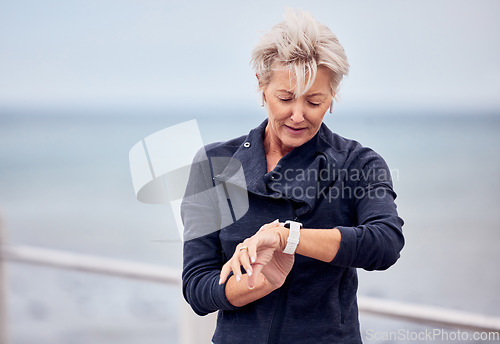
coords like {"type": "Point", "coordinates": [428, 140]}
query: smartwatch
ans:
{"type": "Point", "coordinates": [293, 236]}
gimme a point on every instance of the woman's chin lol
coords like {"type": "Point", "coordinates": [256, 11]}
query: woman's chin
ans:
{"type": "Point", "coordinates": [294, 142]}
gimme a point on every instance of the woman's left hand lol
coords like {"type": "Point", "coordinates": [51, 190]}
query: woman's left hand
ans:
{"type": "Point", "coordinates": [261, 253]}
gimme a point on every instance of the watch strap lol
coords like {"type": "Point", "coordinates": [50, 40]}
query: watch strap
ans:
{"type": "Point", "coordinates": [293, 236]}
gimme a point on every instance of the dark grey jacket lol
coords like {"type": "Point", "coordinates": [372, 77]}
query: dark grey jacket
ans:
{"type": "Point", "coordinates": [327, 182]}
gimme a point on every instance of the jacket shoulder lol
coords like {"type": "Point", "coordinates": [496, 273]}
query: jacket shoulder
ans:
{"type": "Point", "coordinates": [347, 151]}
{"type": "Point", "coordinates": [337, 142]}
{"type": "Point", "coordinates": [226, 148]}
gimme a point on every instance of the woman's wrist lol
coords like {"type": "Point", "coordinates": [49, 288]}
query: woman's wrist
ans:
{"type": "Point", "coordinates": [283, 233]}
{"type": "Point", "coordinates": [270, 286]}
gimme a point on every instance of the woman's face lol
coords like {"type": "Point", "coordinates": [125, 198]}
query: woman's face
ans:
{"type": "Point", "coordinates": [295, 120]}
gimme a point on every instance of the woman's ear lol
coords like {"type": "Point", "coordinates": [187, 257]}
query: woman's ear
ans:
{"type": "Point", "coordinates": [258, 80]}
{"type": "Point", "coordinates": [332, 102]}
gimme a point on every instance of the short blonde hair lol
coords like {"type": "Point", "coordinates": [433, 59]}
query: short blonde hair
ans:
{"type": "Point", "coordinates": [300, 44]}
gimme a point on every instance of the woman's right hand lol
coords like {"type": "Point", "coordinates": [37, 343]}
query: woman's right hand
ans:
{"type": "Point", "coordinates": [261, 253]}
{"type": "Point", "coordinates": [280, 265]}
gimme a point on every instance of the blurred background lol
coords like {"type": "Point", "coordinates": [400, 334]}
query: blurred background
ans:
{"type": "Point", "coordinates": [82, 81]}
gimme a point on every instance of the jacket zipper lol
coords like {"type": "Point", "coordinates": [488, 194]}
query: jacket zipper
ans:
{"type": "Point", "coordinates": [279, 313]}
{"type": "Point", "coordinates": [295, 217]}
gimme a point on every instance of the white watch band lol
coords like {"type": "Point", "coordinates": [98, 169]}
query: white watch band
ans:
{"type": "Point", "coordinates": [293, 237]}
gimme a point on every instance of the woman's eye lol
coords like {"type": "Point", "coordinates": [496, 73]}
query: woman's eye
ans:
{"type": "Point", "coordinates": [315, 104]}
{"type": "Point", "coordinates": [285, 99]}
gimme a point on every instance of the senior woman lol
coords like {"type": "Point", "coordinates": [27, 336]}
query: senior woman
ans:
{"type": "Point", "coordinates": [278, 261]}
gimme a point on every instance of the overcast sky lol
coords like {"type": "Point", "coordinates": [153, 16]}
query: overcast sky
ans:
{"type": "Point", "coordinates": [420, 54]}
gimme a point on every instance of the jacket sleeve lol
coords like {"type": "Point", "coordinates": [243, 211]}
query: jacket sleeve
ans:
{"type": "Point", "coordinates": [377, 239]}
{"type": "Point", "coordinates": [200, 275]}
{"type": "Point", "coordinates": [202, 254]}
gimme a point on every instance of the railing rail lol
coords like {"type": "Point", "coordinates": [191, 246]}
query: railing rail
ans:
{"type": "Point", "coordinates": [88, 263]}
{"type": "Point", "coordinates": [430, 315]}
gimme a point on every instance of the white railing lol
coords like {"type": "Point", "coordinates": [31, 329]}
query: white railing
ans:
{"type": "Point", "coordinates": [430, 315]}
{"type": "Point", "coordinates": [86, 263]}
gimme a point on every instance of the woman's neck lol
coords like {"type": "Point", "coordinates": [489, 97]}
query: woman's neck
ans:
{"type": "Point", "coordinates": [274, 149]}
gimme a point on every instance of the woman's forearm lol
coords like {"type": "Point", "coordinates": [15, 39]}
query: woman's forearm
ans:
{"type": "Point", "coordinates": [238, 293]}
{"type": "Point", "coordinates": [321, 244]}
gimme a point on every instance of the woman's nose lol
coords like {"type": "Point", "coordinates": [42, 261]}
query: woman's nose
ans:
{"type": "Point", "coordinates": [297, 112]}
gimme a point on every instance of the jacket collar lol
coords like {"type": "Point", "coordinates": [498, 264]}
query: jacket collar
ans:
{"type": "Point", "coordinates": [300, 176]}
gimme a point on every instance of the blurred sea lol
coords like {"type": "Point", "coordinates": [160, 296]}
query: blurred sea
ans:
{"type": "Point", "coordinates": [65, 184]}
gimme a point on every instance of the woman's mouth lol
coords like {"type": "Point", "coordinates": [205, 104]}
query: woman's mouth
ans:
{"type": "Point", "coordinates": [295, 131]}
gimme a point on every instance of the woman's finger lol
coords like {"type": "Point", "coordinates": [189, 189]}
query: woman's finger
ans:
{"type": "Point", "coordinates": [252, 253]}
{"type": "Point", "coordinates": [269, 225]}
{"type": "Point", "coordinates": [257, 269]}
{"type": "Point", "coordinates": [245, 260]}
{"type": "Point", "coordinates": [236, 264]}
{"type": "Point", "coordinates": [224, 273]}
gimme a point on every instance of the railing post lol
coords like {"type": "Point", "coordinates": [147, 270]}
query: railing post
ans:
{"type": "Point", "coordinates": [3, 291]}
